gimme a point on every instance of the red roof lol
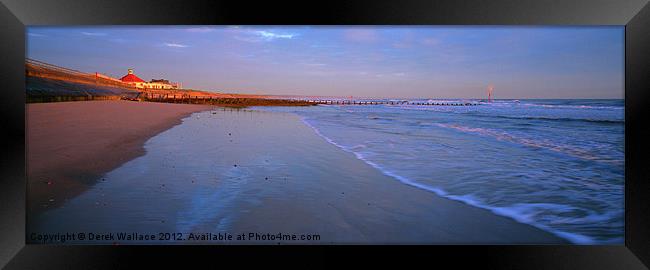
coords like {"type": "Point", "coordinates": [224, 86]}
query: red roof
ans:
{"type": "Point", "coordinates": [131, 78]}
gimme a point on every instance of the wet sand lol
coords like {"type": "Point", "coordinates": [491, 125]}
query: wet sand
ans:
{"type": "Point", "coordinates": [242, 171]}
{"type": "Point", "coordinates": [71, 144]}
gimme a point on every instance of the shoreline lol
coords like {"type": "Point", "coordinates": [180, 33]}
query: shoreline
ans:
{"type": "Point", "coordinates": [333, 193]}
{"type": "Point", "coordinates": [70, 145]}
{"type": "Point", "coordinates": [438, 192]}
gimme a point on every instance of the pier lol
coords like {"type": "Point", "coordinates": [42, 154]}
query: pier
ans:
{"type": "Point", "coordinates": [402, 102]}
{"type": "Point", "coordinates": [157, 96]}
{"type": "Point", "coordinates": [228, 101]}
{"type": "Point", "coordinates": [207, 99]}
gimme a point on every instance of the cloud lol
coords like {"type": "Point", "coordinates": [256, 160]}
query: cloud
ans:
{"type": "Point", "coordinates": [315, 64]}
{"type": "Point", "coordinates": [244, 56]}
{"type": "Point", "coordinates": [175, 45]}
{"type": "Point", "coordinates": [262, 35]}
{"type": "Point", "coordinates": [271, 36]}
{"type": "Point", "coordinates": [322, 73]}
{"type": "Point", "coordinates": [94, 34]}
{"type": "Point", "coordinates": [200, 29]}
{"type": "Point", "coordinates": [386, 75]}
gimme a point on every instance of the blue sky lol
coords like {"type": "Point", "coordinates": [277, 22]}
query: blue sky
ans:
{"type": "Point", "coordinates": [373, 61]}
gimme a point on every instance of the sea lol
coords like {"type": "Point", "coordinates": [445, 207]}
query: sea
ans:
{"type": "Point", "coordinates": [556, 164]}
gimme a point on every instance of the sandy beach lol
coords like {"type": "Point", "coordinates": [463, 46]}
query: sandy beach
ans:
{"type": "Point", "coordinates": [318, 134]}
{"type": "Point", "coordinates": [243, 171]}
{"type": "Point", "coordinates": [71, 144]}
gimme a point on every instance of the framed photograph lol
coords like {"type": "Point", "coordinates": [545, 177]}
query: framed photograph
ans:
{"type": "Point", "coordinates": [510, 133]}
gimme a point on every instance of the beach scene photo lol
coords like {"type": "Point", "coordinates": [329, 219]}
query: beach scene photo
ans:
{"type": "Point", "coordinates": [210, 135]}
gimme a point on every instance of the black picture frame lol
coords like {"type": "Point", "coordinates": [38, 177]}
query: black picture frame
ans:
{"type": "Point", "coordinates": [634, 14]}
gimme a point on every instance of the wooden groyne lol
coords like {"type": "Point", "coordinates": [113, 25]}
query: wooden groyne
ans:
{"type": "Point", "coordinates": [253, 101]}
{"type": "Point", "coordinates": [402, 102]}
{"type": "Point", "coordinates": [237, 102]}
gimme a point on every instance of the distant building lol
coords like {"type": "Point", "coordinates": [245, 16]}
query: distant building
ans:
{"type": "Point", "coordinates": [162, 84]}
{"type": "Point", "coordinates": [130, 78]}
{"type": "Point", "coordinates": [134, 80]}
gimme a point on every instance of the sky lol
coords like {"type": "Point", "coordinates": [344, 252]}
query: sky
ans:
{"type": "Point", "coordinates": [360, 61]}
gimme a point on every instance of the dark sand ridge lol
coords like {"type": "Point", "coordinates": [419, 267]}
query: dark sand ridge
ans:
{"type": "Point", "coordinates": [70, 145]}
{"type": "Point", "coordinates": [287, 180]}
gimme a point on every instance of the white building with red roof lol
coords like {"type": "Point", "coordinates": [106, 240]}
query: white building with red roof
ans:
{"type": "Point", "coordinates": [134, 80]}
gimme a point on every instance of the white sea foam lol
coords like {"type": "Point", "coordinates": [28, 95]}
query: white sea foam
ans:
{"type": "Point", "coordinates": [559, 169]}
{"type": "Point", "coordinates": [522, 212]}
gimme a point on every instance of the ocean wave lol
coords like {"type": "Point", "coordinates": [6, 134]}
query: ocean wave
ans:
{"type": "Point", "coordinates": [478, 112]}
{"type": "Point", "coordinates": [530, 212]}
{"type": "Point", "coordinates": [571, 106]}
{"type": "Point", "coordinates": [552, 106]}
{"type": "Point", "coordinates": [544, 144]}
{"type": "Point", "coordinates": [560, 119]}
{"type": "Point", "coordinates": [522, 212]}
